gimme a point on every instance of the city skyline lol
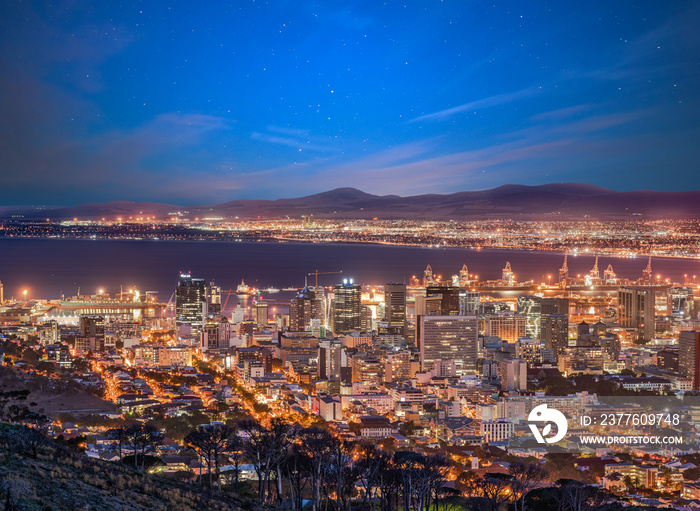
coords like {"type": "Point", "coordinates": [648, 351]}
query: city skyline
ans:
{"type": "Point", "coordinates": [172, 104]}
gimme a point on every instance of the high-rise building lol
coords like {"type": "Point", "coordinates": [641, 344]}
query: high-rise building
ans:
{"type": "Point", "coordinates": [448, 297]}
{"type": "Point", "coordinates": [689, 356]}
{"type": "Point", "coordinates": [92, 332]}
{"type": "Point", "coordinates": [555, 333]}
{"type": "Point", "coordinates": [636, 310]}
{"type": "Point", "coordinates": [513, 374]}
{"type": "Point", "coordinates": [330, 359]}
{"type": "Point", "coordinates": [508, 326]}
{"type": "Point", "coordinates": [395, 307]}
{"type": "Point", "coordinates": [260, 313]}
{"type": "Point", "coordinates": [398, 366]}
{"type": "Point", "coordinates": [469, 302]}
{"type": "Point", "coordinates": [347, 310]}
{"type": "Point", "coordinates": [680, 302]}
{"type": "Point", "coordinates": [531, 308]}
{"type": "Point", "coordinates": [190, 302]}
{"type": "Point", "coordinates": [213, 293]}
{"type": "Point", "coordinates": [536, 309]}
{"type": "Point", "coordinates": [304, 307]}
{"type": "Point", "coordinates": [449, 338]}
{"type": "Point", "coordinates": [367, 368]}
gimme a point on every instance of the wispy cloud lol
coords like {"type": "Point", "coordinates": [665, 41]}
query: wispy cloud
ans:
{"type": "Point", "coordinates": [297, 138]}
{"type": "Point", "coordinates": [499, 99]}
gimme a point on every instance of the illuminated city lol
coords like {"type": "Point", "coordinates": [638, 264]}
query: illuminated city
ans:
{"type": "Point", "coordinates": [428, 256]}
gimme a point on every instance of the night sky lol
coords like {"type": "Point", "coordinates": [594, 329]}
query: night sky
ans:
{"type": "Point", "coordinates": [205, 102]}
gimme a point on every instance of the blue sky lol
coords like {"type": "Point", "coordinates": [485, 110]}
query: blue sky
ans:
{"type": "Point", "coordinates": [190, 104]}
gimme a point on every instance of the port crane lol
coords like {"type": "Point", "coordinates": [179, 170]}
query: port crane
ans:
{"type": "Point", "coordinates": [317, 273]}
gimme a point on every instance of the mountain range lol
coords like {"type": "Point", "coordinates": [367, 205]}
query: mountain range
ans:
{"type": "Point", "coordinates": [557, 201]}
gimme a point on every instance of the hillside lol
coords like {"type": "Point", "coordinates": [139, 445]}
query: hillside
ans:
{"type": "Point", "coordinates": [61, 479]}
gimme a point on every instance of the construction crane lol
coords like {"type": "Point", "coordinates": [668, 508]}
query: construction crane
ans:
{"type": "Point", "coordinates": [317, 273]}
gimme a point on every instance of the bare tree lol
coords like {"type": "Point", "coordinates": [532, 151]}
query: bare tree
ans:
{"type": "Point", "coordinates": [495, 488]}
{"type": "Point", "coordinates": [198, 440]}
{"type": "Point", "coordinates": [265, 448]}
{"type": "Point", "coordinates": [525, 477]}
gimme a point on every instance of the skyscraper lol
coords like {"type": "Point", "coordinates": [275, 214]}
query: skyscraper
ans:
{"type": "Point", "coordinates": [537, 309]}
{"type": "Point", "coordinates": [508, 326]}
{"type": "Point", "coordinates": [304, 307]}
{"type": "Point", "coordinates": [636, 310]}
{"type": "Point", "coordinates": [555, 333]}
{"type": "Point", "coordinates": [689, 356]}
{"type": "Point", "coordinates": [330, 358]}
{"type": "Point", "coordinates": [190, 302]}
{"type": "Point", "coordinates": [92, 332]}
{"type": "Point", "coordinates": [346, 307]}
{"type": "Point", "coordinates": [448, 296]}
{"type": "Point", "coordinates": [260, 313]}
{"type": "Point", "coordinates": [395, 307]}
{"type": "Point", "coordinates": [213, 293]}
{"type": "Point", "coordinates": [449, 338]}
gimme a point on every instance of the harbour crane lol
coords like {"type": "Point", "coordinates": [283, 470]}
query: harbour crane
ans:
{"type": "Point", "coordinates": [317, 273]}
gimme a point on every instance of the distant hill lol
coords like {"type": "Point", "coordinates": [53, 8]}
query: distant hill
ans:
{"type": "Point", "coordinates": [518, 202]}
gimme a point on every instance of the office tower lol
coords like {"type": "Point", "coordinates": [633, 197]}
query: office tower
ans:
{"type": "Point", "coordinates": [513, 374]}
{"type": "Point", "coordinates": [92, 333]}
{"type": "Point", "coordinates": [347, 315]}
{"type": "Point", "coordinates": [469, 302]}
{"type": "Point", "coordinates": [555, 333]}
{"type": "Point", "coordinates": [509, 327]}
{"type": "Point", "coordinates": [398, 366]}
{"type": "Point", "coordinates": [260, 313]}
{"type": "Point", "coordinates": [531, 308]}
{"type": "Point", "coordinates": [449, 338]}
{"type": "Point", "coordinates": [536, 309]}
{"type": "Point", "coordinates": [190, 302]}
{"type": "Point", "coordinates": [213, 295]}
{"type": "Point", "coordinates": [530, 350]}
{"type": "Point", "coordinates": [680, 302]}
{"type": "Point", "coordinates": [636, 310]}
{"type": "Point", "coordinates": [304, 307]}
{"type": "Point", "coordinates": [448, 299]}
{"type": "Point", "coordinates": [395, 307]}
{"type": "Point", "coordinates": [367, 368]}
{"type": "Point", "coordinates": [216, 333]}
{"type": "Point", "coordinates": [330, 359]}
{"type": "Point", "coordinates": [689, 356]}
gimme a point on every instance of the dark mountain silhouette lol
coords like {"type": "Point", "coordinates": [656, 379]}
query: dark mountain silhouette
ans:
{"type": "Point", "coordinates": [518, 202]}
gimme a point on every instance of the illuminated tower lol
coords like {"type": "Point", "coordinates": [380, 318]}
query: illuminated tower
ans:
{"type": "Point", "coordinates": [636, 310]}
{"type": "Point", "coordinates": [447, 299]}
{"type": "Point", "coordinates": [307, 305]}
{"type": "Point", "coordinates": [689, 356]}
{"type": "Point", "coordinates": [395, 306]}
{"type": "Point", "coordinates": [449, 338]}
{"type": "Point", "coordinates": [347, 310]}
{"type": "Point", "coordinates": [213, 293]}
{"type": "Point", "coordinates": [190, 301]}
{"type": "Point", "coordinates": [2, 297]}
{"type": "Point", "coordinates": [564, 273]}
